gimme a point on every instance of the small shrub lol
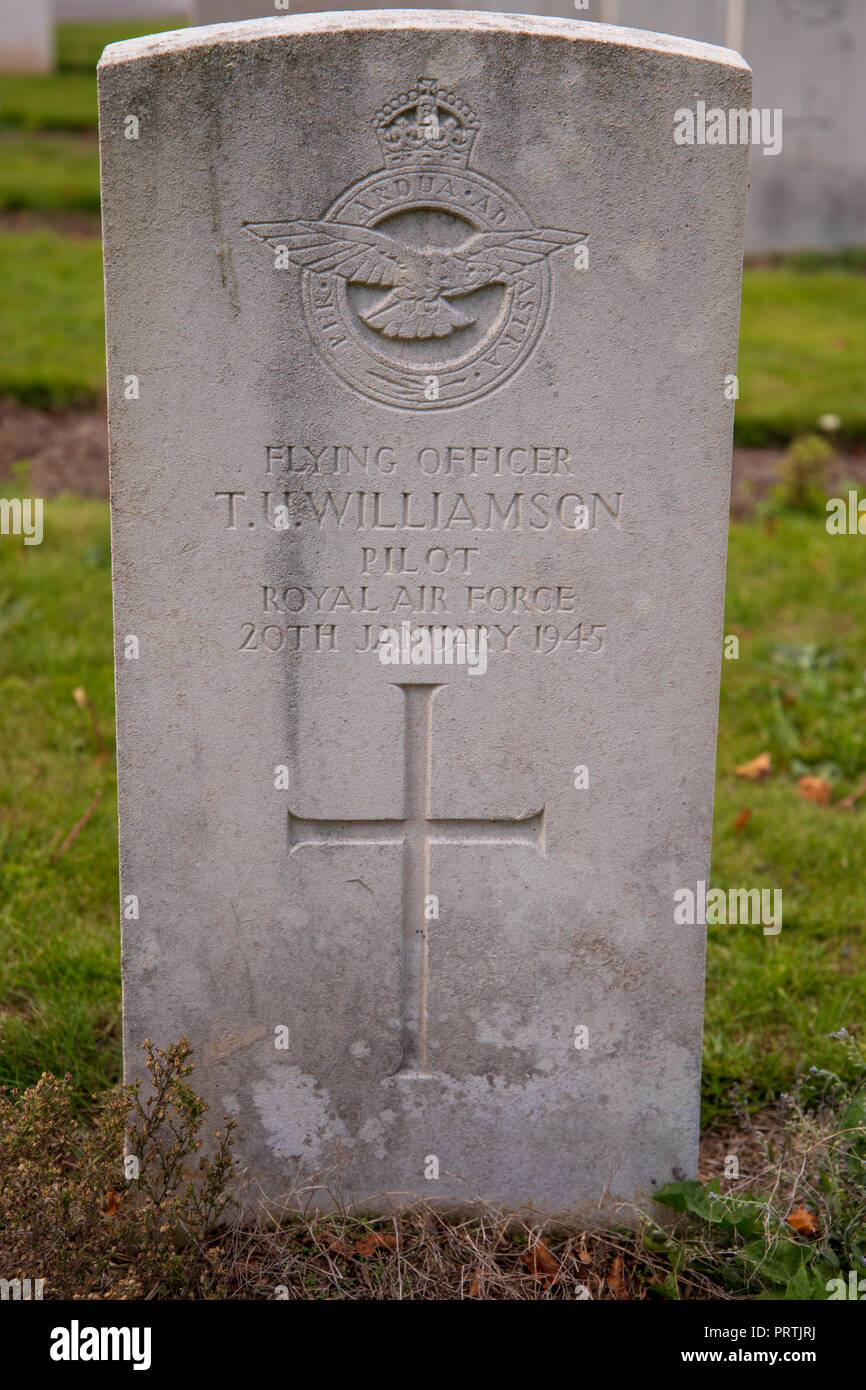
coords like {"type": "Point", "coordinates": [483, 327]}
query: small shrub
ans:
{"type": "Point", "coordinates": [69, 1215]}
{"type": "Point", "coordinates": [803, 474]}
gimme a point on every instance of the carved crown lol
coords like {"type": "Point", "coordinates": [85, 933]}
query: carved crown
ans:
{"type": "Point", "coordinates": [426, 126]}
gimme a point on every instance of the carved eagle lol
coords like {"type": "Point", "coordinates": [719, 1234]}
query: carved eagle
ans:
{"type": "Point", "coordinates": [421, 280]}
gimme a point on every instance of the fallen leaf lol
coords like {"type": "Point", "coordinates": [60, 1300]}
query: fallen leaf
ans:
{"type": "Point", "coordinates": [340, 1246]}
{"type": "Point", "coordinates": [756, 767]}
{"type": "Point", "coordinates": [804, 1221]}
{"type": "Point", "coordinates": [615, 1281]}
{"type": "Point", "coordinates": [542, 1265]}
{"type": "Point", "coordinates": [742, 820]}
{"type": "Point", "coordinates": [584, 1256]}
{"type": "Point", "coordinates": [815, 789]}
{"type": "Point", "coordinates": [376, 1240]}
{"type": "Point", "coordinates": [112, 1202]}
{"type": "Point", "coordinates": [848, 801]}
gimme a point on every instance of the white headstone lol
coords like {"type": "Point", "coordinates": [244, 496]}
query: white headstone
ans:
{"type": "Point", "coordinates": [809, 189]}
{"type": "Point", "coordinates": [808, 58]}
{"type": "Point", "coordinates": [421, 321]}
{"type": "Point", "coordinates": [26, 36]}
{"type": "Point", "coordinates": [704, 20]}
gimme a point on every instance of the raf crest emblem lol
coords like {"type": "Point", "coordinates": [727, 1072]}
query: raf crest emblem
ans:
{"type": "Point", "coordinates": [425, 284]}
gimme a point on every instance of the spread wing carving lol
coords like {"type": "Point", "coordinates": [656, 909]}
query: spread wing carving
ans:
{"type": "Point", "coordinates": [422, 280]}
{"type": "Point", "coordinates": [355, 253]}
{"type": "Point", "coordinates": [491, 256]}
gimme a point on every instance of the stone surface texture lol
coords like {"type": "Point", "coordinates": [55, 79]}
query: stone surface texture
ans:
{"type": "Point", "coordinates": [423, 907]}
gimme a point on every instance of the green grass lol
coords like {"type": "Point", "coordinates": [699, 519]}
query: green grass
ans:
{"type": "Point", "coordinates": [56, 101]}
{"type": "Point", "coordinates": [803, 333]}
{"type": "Point", "coordinates": [52, 351]}
{"type": "Point", "coordinates": [802, 342]}
{"type": "Point", "coordinates": [802, 346]}
{"type": "Point", "coordinates": [49, 173]}
{"type": "Point", "coordinates": [80, 45]}
{"type": "Point", "coordinates": [798, 691]}
{"type": "Point", "coordinates": [802, 351]}
{"type": "Point", "coordinates": [66, 99]}
{"type": "Point", "coordinates": [59, 964]}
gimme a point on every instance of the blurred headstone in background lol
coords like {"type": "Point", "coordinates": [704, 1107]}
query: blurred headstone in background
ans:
{"type": "Point", "coordinates": [26, 36]}
{"type": "Point", "coordinates": [807, 58]}
{"type": "Point", "coordinates": [119, 10]}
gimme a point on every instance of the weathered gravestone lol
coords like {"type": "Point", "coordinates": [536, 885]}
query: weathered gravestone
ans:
{"type": "Point", "coordinates": [421, 320]}
{"type": "Point", "coordinates": [26, 36]}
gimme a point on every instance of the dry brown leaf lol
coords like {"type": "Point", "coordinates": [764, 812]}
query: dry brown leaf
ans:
{"type": "Point", "coordinates": [341, 1246]}
{"type": "Point", "coordinates": [374, 1241]}
{"type": "Point", "coordinates": [742, 820]}
{"type": "Point", "coordinates": [542, 1265]}
{"type": "Point", "coordinates": [847, 802]}
{"type": "Point", "coordinates": [815, 789]}
{"type": "Point", "coordinates": [804, 1221]}
{"type": "Point", "coordinates": [584, 1256]}
{"type": "Point", "coordinates": [755, 767]}
{"type": "Point", "coordinates": [112, 1202]}
{"type": "Point", "coordinates": [615, 1281]}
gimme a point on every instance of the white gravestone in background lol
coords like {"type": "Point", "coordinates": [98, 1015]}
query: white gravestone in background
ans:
{"type": "Point", "coordinates": [421, 321]}
{"type": "Point", "coordinates": [26, 36]}
{"type": "Point", "coordinates": [808, 62]}
{"type": "Point", "coordinates": [808, 57]}
{"type": "Point", "coordinates": [693, 19]}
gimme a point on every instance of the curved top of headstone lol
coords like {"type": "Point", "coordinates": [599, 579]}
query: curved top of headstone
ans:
{"type": "Point", "coordinates": [469, 21]}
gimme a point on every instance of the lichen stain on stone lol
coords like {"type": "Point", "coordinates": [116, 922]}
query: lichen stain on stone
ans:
{"type": "Point", "coordinates": [296, 1114]}
{"type": "Point", "coordinates": [228, 278]}
{"type": "Point", "coordinates": [499, 1028]}
{"type": "Point", "coordinates": [373, 1132]}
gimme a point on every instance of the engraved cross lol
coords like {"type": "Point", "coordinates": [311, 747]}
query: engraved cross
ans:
{"type": "Point", "coordinates": [415, 833]}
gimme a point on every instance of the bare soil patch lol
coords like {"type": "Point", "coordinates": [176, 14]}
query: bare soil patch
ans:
{"type": "Point", "coordinates": [67, 450]}
{"type": "Point", "coordinates": [69, 453]}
